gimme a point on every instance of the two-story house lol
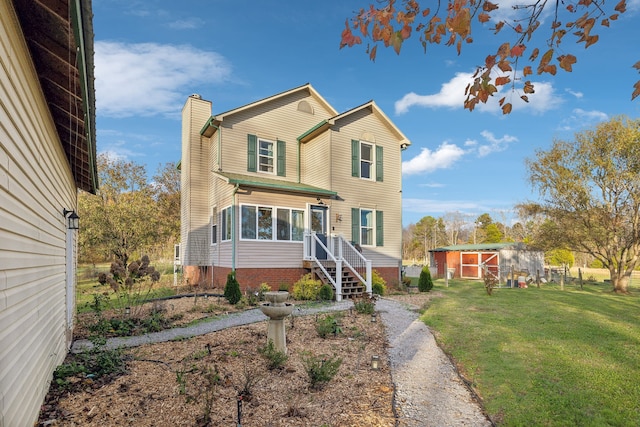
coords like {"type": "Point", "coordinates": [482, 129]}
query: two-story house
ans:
{"type": "Point", "coordinates": [287, 185]}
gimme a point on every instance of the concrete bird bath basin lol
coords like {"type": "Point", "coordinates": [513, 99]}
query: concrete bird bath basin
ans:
{"type": "Point", "coordinates": [276, 309]}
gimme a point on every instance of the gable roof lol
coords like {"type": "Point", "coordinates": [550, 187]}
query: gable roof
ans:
{"type": "Point", "coordinates": [371, 106]}
{"type": "Point", "coordinates": [273, 184]}
{"type": "Point", "coordinates": [59, 35]}
{"type": "Point", "coordinates": [209, 127]}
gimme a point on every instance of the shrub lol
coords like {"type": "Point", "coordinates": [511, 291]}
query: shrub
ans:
{"type": "Point", "coordinates": [326, 292]}
{"type": "Point", "coordinates": [378, 284]}
{"type": "Point", "coordinates": [364, 305]}
{"type": "Point", "coordinates": [306, 288]}
{"type": "Point", "coordinates": [262, 289]}
{"type": "Point", "coordinates": [328, 325]}
{"type": "Point", "coordinates": [275, 358]}
{"type": "Point", "coordinates": [232, 289]}
{"type": "Point", "coordinates": [320, 369]}
{"type": "Point", "coordinates": [425, 283]}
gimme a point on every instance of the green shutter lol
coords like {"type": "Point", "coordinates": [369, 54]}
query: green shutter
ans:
{"type": "Point", "coordinates": [379, 229]}
{"type": "Point", "coordinates": [355, 158]}
{"type": "Point", "coordinates": [379, 163]}
{"type": "Point", "coordinates": [355, 225]}
{"type": "Point", "coordinates": [252, 155]}
{"type": "Point", "coordinates": [282, 158]}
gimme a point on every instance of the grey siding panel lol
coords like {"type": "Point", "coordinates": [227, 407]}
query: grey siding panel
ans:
{"type": "Point", "coordinates": [35, 185]}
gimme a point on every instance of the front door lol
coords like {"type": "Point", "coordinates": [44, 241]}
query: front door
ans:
{"type": "Point", "coordinates": [319, 226]}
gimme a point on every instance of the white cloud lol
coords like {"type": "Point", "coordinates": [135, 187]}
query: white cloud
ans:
{"type": "Point", "coordinates": [150, 79]}
{"type": "Point", "coordinates": [428, 161]}
{"type": "Point", "coordinates": [452, 95]}
{"type": "Point", "coordinates": [494, 144]}
{"type": "Point", "coordinates": [186, 24]}
{"type": "Point", "coordinates": [580, 118]}
{"type": "Point", "coordinates": [578, 95]}
{"type": "Point", "coordinates": [442, 206]}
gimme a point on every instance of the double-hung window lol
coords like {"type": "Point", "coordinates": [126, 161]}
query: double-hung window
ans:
{"type": "Point", "coordinates": [366, 160]}
{"type": "Point", "coordinates": [226, 222]}
{"type": "Point", "coordinates": [214, 226]}
{"type": "Point", "coordinates": [265, 155]}
{"type": "Point", "coordinates": [367, 227]}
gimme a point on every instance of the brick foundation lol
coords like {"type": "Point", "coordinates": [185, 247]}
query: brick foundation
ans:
{"type": "Point", "coordinates": [216, 277]}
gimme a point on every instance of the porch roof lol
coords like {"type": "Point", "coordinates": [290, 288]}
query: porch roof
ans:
{"type": "Point", "coordinates": [273, 184]}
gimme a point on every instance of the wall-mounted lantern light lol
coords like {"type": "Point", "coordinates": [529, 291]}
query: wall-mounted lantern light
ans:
{"type": "Point", "coordinates": [73, 220]}
{"type": "Point", "coordinates": [375, 363]}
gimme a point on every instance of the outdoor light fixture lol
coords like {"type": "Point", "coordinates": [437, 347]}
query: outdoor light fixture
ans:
{"type": "Point", "coordinates": [73, 220]}
{"type": "Point", "coordinates": [320, 202]}
{"type": "Point", "coordinates": [127, 311]}
{"type": "Point", "coordinates": [373, 317]}
{"type": "Point", "coordinates": [375, 362]}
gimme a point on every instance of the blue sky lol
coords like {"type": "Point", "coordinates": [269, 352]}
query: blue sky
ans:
{"type": "Point", "coordinates": [152, 54]}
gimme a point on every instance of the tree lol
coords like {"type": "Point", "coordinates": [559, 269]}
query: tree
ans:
{"type": "Point", "coordinates": [453, 24]}
{"type": "Point", "coordinates": [425, 234]}
{"type": "Point", "coordinates": [560, 257]}
{"type": "Point", "coordinates": [591, 196]}
{"type": "Point", "coordinates": [121, 219]}
{"type": "Point", "coordinates": [166, 192]}
{"type": "Point", "coordinates": [492, 234]}
{"type": "Point", "coordinates": [425, 282]}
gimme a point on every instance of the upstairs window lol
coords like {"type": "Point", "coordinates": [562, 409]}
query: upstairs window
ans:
{"type": "Point", "coordinates": [366, 160]}
{"type": "Point", "coordinates": [266, 156]}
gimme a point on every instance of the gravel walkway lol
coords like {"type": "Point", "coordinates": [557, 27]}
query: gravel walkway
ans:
{"type": "Point", "coordinates": [429, 391]}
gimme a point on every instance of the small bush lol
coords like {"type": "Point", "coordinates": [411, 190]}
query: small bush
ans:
{"type": "Point", "coordinates": [425, 283]}
{"type": "Point", "coordinates": [326, 292]}
{"type": "Point", "coordinates": [320, 369]}
{"type": "Point", "coordinates": [378, 284]}
{"type": "Point", "coordinates": [262, 289]}
{"type": "Point", "coordinates": [232, 289]}
{"type": "Point", "coordinates": [283, 287]}
{"type": "Point", "coordinates": [275, 358]}
{"type": "Point", "coordinates": [364, 305]}
{"type": "Point", "coordinates": [328, 325]}
{"type": "Point", "coordinates": [306, 288]}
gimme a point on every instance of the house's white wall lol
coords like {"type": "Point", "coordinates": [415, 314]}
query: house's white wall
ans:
{"type": "Point", "coordinates": [35, 186]}
{"type": "Point", "coordinates": [356, 192]}
{"type": "Point", "coordinates": [195, 234]}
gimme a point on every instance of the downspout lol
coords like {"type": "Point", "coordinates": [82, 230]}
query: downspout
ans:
{"type": "Point", "coordinates": [298, 164]}
{"type": "Point", "coordinates": [233, 228]}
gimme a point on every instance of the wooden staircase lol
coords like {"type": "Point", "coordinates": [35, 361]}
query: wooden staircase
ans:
{"type": "Point", "coordinates": [352, 287]}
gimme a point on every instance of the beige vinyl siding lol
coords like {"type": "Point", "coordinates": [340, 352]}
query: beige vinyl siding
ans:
{"type": "Point", "coordinates": [221, 197]}
{"type": "Point", "coordinates": [276, 120]}
{"type": "Point", "coordinates": [355, 192]}
{"type": "Point", "coordinates": [195, 226]}
{"type": "Point", "coordinates": [35, 186]}
{"type": "Point", "coordinates": [316, 162]}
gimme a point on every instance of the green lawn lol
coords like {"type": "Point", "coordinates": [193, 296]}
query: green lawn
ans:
{"type": "Point", "coordinates": [545, 356]}
{"type": "Point", "coordinates": [88, 285]}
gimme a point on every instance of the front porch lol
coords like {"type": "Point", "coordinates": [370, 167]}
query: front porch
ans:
{"type": "Point", "coordinates": [337, 262]}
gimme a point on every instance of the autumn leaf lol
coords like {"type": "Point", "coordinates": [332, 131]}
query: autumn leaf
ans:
{"type": "Point", "coordinates": [525, 98]}
{"type": "Point", "coordinates": [501, 101]}
{"type": "Point", "coordinates": [534, 54]}
{"type": "Point", "coordinates": [506, 108]}
{"type": "Point", "coordinates": [488, 6]}
{"type": "Point", "coordinates": [605, 23]}
{"type": "Point", "coordinates": [528, 87]}
{"type": "Point", "coordinates": [518, 50]}
{"type": "Point", "coordinates": [621, 7]}
{"type": "Point", "coordinates": [397, 42]}
{"type": "Point", "coordinates": [461, 23]}
{"type": "Point", "coordinates": [406, 32]}
{"type": "Point", "coordinates": [501, 81]}
{"type": "Point", "coordinates": [504, 66]}
{"type": "Point", "coordinates": [483, 17]}
{"type": "Point", "coordinates": [591, 40]}
{"type": "Point", "coordinates": [566, 61]}
{"type": "Point", "coordinates": [372, 54]}
{"type": "Point", "coordinates": [348, 39]}
{"type": "Point", "coordinates": [637, 91]}
{"type": "Point", "coordinates": [527, 71]}
{"type": "Point", "coordinates": [498, 27]}
{"type": "Point", "coordinates": [518, 29]}
{"type": "Point", "coordinates": [504, 49]}
{"type": "Point", "coordinates": [636, 66]}
{"type": "Point", "coordinates": [490, 61]}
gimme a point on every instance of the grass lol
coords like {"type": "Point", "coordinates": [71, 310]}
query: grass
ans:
{"type": "Point", "coordinates": [545, 356]}
{"type": "Point", "coordinates": [87, 285]}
